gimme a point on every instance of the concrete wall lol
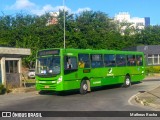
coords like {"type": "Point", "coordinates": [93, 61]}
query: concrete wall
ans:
{"type": "Point", "coordinates": [7, 53]}
{"type": "Point", "coordinates": [14, 51]}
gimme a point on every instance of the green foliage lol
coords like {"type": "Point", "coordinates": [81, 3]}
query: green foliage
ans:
{"type": "Point", "coordinates": [30, 81]}
{"type": "Point", "coordinates": [89, 29]}
{"type": "Point", "coordinates": [152, 69]}
{"type": "Point", "coordinates": [2, 89]}
{"type": "Point", "coordinates": [149, 36]}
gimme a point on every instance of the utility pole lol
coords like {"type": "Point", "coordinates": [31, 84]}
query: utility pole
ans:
{"type": "Point", "coordinates": [64, 24]}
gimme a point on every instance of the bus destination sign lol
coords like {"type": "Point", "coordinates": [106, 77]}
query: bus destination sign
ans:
{"type": "Point", "coordinates": [48, 52]}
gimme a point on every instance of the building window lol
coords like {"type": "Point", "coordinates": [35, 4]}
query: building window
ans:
{"type": "Point", "coordinates": [158, 59]}
{"type": "Point", "coordinates": [11, 66]}
{"type": "Point", "coordinates": [153, 59]}
{"type": "Point", "coordinates": [150, 60]}
{"type": "Point", "coordinates": [140, 24]}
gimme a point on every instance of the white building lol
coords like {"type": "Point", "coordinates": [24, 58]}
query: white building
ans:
{"type": "Point", "coordinates": [122, 17]}
{"type": "Point", "coordinates": [135, 22]}
{"type": "Point", "coordinates": [138, 22]}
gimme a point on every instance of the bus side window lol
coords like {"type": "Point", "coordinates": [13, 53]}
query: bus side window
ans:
{"type": "Point", "coordinates": [70, 62]}
{"type": "Point", "coordinates": [121, 60]}
{"type": "Point", "coordinates": [96, 61]}
{"type": "Point", "coordinates": [109, 60]}
{"type": "Point", "coordinates": [139, 60]}
{"type": "Point", "coordinates": [83, 61]}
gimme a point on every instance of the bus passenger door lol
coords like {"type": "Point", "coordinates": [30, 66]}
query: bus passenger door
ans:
{"type": "Point", "coordinates": [70, 72]}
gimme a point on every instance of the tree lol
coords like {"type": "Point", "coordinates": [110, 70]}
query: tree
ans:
{"type": "Point", "coordinates": [149, 36]}
{"type": "Point", "coordinates": [87, 30]}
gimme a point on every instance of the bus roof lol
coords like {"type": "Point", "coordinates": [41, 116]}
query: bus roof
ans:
{"type": "Point", "coordinates": [101, 51]}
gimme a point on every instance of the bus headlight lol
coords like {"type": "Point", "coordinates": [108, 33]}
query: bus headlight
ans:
{"type": "Point", "coordinates": [59, 80]}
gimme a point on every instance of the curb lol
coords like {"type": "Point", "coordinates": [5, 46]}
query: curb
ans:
{"type": "Point", "coordinates": [141, 101]}
{"type": "Point", "coordinates": [145, 103]}
{"type": "Point", "coordinates": [23, 90]}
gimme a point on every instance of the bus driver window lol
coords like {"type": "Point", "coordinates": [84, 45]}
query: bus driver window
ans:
{"type": "Point", "coordinates": [69, 63]}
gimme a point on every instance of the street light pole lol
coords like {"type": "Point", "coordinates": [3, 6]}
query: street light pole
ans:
{"type": "Point", "coordinates": [64, 25]}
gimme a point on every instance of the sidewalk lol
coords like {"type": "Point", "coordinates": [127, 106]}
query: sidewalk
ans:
{"type": "Point", "coordinates": [150, 98]}
{"type": "Point", "coordinates": [18, 94]}
{"type": "Point", "coordinates": [15, 97]}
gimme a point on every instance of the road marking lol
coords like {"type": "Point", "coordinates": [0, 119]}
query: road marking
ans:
{"type": "Point", "coordinates": [129, 100]}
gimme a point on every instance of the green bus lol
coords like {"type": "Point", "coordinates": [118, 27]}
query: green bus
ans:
{"type": "Point", "coordinates": [68, 69]}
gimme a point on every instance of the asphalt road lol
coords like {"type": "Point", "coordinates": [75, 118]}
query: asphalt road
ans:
{"type": "Point", "coordinates": [113, 98]}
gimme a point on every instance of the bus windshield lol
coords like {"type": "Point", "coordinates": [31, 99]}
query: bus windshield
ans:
{"type": "Point", "coordinates": [48, 65]}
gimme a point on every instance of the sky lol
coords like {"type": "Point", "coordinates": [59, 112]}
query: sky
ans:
{"type": "Point", "coordinates": [136, 8]}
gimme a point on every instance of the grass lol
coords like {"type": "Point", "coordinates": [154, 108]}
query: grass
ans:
{"type": "Point", "coordinates": [2, 89]}
{"type": "Point", "coordinates": [30, 81]}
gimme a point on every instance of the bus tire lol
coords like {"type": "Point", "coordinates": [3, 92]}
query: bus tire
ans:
{"type": "Point", "coordinates": [83, 87]}
{"type": "Point", "coordinates": [127, 82]}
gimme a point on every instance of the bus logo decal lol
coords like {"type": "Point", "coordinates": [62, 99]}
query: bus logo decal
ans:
{"type": "Point", "coordinates": [110, 72]}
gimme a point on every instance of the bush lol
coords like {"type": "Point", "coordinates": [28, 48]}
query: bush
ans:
{"type": "Point", "coordinates": [152, 69]}
{"type": "Point", "coordinates": [2, 89]}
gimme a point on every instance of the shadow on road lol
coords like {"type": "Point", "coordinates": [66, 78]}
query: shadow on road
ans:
{"type": "Point", "coordinates": [73, 92]}
{"type": "Point", "coordinates": [64, 93]}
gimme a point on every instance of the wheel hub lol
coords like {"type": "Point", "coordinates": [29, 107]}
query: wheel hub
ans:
{"type": "Point", "coordinates": [127, 81]}
{"type": "Point", "coordinates": [85, 87]}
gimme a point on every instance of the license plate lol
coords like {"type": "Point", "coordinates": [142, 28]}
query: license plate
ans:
{"type": "Point", "coordinates": [46, 86]}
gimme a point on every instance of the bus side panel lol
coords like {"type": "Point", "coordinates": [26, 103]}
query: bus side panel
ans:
{"type": "Point", "coordinates": [71, 81]}
{"type": "Point", "coordinates": [96, 76]}
{"type": "Point", "coordinates": [109, 80]}
{"type": "Point", "coordinates": [70, 85]}
{"type": "Point", "coordinates": [136, 78]}
{"type": "Point", "coordinates": [119, 74]}
{"type": "Point", "coordinates": [137, 73]}
{"type": "Point", "coordinates": [102, 76]}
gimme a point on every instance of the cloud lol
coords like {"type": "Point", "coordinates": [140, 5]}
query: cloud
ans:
{"type": "Point", "coordinates": [62, 7]}
{"type": "Point", "coordinates": [43, 10]}
{"type": "Point", "coordinates": [40, 10]}
{"type": "Point", "coordinates": [83, 9]}
{"type": "Point", "coordinates": [21, 5]}
{"type": "Point", "coordinates": [49, 8]}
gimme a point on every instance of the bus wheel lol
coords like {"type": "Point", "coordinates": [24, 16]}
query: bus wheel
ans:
{"type": "Point", "coordinates": [127, 82]}
{"type": "Point", "coordinates": [83, 87]}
